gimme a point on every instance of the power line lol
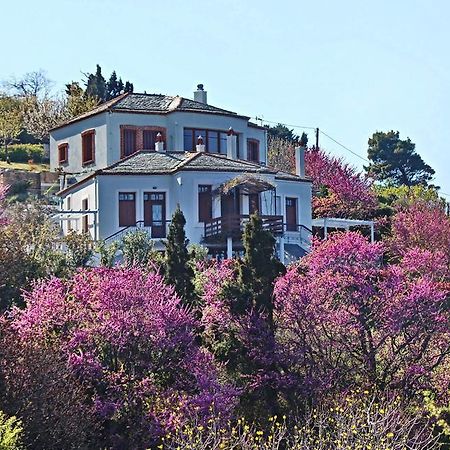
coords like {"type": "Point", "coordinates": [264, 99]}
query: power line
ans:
{"type": "Point", "coordinates": [343, 146]}
{"type": "Point", "coordinates": [285, 124]}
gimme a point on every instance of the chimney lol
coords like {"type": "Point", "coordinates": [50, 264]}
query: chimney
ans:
{"type": "Point", "coordinates": [231, 144]}
{"type": "Point", "coordinates": [200, 145]}
{"type": "Point", "coordinates": [200, 94]}
{"type": "Point", "coordinates": [159, 144]}
{"type": "Point", "coordinates": [300, 161]}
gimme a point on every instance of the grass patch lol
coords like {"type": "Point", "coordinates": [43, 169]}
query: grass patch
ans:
{"type": "Point", "coordinates": [35, 167]}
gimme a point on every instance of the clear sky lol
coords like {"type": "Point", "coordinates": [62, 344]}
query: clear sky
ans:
{"type": "Point", "coordinates": [349, 67]}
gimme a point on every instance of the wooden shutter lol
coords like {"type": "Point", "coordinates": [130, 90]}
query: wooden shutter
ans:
{"type": "Point", "coordinates": [149, 139]}
{"type": "Point", "coordinates": [291, 214]}
{"type": "Point", "coordinates": [88, 146]}
{"type": "Point", "coordinates": [129, 141]}
{"type": "Point", "coordinates": [253, 150]}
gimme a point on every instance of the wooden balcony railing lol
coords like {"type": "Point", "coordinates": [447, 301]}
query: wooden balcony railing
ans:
{"type": "Point", "coordinates": [233, 226]}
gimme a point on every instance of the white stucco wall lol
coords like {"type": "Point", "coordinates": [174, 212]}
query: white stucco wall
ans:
{"type": "Point", "coordinates": [71, 134]}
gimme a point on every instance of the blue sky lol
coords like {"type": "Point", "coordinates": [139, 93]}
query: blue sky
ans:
{"type": "Point", "coordinates": [349, 67]}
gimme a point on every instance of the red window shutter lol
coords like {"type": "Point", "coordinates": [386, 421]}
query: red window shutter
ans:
{"type": "Point", "coordinates": [129, 141]}
{"type": "Point", "coordinates": [149, 139]}
{"type": "Point", "coordinates": [88, 146]}
{"type": "Point", "coordinates": [127, 209]}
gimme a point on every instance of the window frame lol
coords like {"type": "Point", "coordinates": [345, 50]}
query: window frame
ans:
{"type": "Point", "coordinates": [63, 147]}
{"type": "Point", "coordinates": [252, 141]}
{"type": "Point", "coordinates": [195, 134]}
{"type": "Point", "coordinates": [85, 134]}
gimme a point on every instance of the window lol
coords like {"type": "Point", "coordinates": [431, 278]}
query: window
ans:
{"type": "Point", "coordinates": [253, 204]}
{"type": "Point", "coordinates": [149, 139]}
{"type": "Point", "coordinates": [88, 146]}
{"type": "Point", "coordinates": [204, 203]}
{"type": "Point", "coordinates": [215, 140]}
{"type": "Point", "coordinates": [253, 150]}
{"type": "Point", "coordinates": [63, 153]}
{"type": "Point", "coordinates": [127, 209]}
{"type": "Point", "coordinates": [85, 218]}
{"type": "Point", "coordinates": [128, 142]}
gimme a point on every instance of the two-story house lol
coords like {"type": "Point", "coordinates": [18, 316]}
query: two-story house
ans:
{"type": "Point", "coordinates": [130, 161]}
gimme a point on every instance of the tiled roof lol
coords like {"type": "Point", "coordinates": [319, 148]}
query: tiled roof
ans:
{"type": "Point", "coordinates": [152, 103]}
{"type": "Point", "coordinates": [149, 162]}
{"type": "Point", "coordinates": [154, 163]}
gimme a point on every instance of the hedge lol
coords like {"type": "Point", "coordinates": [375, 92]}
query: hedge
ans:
{"type": "Point", "coordinates": [22, 153]}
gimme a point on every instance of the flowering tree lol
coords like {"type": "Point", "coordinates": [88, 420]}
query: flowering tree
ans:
{"type": "Point", "coordinates": [421, 224]}
{"type": "Point", "coordinates": [126, 336]}
{"type": "Point", "coordinates": [3, 192]}
{"type": "Point", "coordinates": [341, 191]}
{"type": "Point", "coordinates": [345, 318]}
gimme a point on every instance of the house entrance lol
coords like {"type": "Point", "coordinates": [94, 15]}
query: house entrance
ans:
{"type": "Point", "coordinates": [155, 213]}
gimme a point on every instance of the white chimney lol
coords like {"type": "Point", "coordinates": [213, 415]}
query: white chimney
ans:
{"type": "Point", "coordinates": [300, 161]}
{"type": "Point", "coordinates": [200, 145]}
{"type": "Point", "coordinates": [231, 144]}
{"type": "Point", "coordinates": [159, 144]}
{"type": "Point", "coordinates": [200, 94]}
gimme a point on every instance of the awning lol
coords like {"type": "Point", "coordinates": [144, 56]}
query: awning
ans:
{"type": "Point", "coordinates": [338, 222]}
{"type": "Point", "coordinates": [247, 184]}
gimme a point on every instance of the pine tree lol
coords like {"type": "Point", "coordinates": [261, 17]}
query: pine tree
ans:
{"type": "Point", "coordinates": [96, 85]}
{"type": "Point", "coordinates": [260, 267]}
{"type": "Point", "coordinates": [128, 87]}
{"type": "Point", "coordinates": [112, 87]}
{"type": "Point", "coordinates": [178, 271]}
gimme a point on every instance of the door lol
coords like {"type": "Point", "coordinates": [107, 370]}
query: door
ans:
{"type": "Point", "coordinates": [253, 204]}
{"type": "Point", "coordinates": [127, 209]}
{"type": "Point", "coordinates": [291, 214]}
{"type": "Point", "coordinates": [155, 213]}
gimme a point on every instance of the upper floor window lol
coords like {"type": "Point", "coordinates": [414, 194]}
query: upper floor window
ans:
{"type": "Point", "coordinates": [253, 150]}
{"type": "Point", "coordinates": [128, 141]}
{"type": "Point", "coordinates": [215, 140]}
{"type": "Point", "coordinates": [63, 153]}
{"type": "Point", "coordinates": [88, 146]}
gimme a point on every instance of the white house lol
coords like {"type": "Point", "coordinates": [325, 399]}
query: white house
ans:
{"type": "Point", "coordinates": [129, 162]}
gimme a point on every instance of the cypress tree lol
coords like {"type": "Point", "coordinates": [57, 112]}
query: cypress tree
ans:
{"type": "Point", "coordinates": [178, 271]}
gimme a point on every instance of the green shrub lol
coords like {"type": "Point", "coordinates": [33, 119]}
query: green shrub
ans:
{"type": "Point", "coordinates": [10, 433]}
{"type": "Point", "coordinates": [22, 153]}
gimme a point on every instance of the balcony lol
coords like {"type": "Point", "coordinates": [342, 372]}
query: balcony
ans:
{"type": "Point", "coordinates": [233, 226]}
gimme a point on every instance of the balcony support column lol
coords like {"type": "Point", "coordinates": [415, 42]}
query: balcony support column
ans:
{"type": "Point", "coordinates": [229, 247]}
{"type": "Point", "coordinates": [282, 255]}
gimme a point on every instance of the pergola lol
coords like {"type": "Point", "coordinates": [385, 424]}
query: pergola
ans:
{"type": "Point", "coordinates": [334, 222]}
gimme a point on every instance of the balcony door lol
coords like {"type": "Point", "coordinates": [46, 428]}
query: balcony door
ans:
{"type": "Point", "coordinates": [155, 213]}
{"type": "Point", "coordinates": [291, 214]}
{"type": "Point", "coordinates": [229, 208]}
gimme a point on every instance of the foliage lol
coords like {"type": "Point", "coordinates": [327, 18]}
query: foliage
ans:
{"type": "Point", "coordinates": [79, 249]}
{"type": "Point", "coordinates": [10, 433]}
{"type": "Point", "coordinates": [395, 196]}
{"type": "Point", "coordinates": [3, 192]}
{"type": "Point", "coordinates": [128, 339]}
{"type": "Point", "coordinates": [10, 121]}
{"type": "Point", "coordinates": [78, 101]}
{"type": "Point", "coordinates": [345, 319]}
{"type": "Point", "coordinates": [282, 132]}
{"type": "Point", "coordinates": [37, 384]}
{"type": "Point", "coordinates": [137, 248]}
{"type": "Point", "coordinates": [178, 270]}
{"type": "Point", "coordinates": [28, 250]}
{"type": "Point", "coordinates": [34, 84]}
{"type": "Point", "coordinates": [97, 87]}
{"type": "Point", "coordinates": [340, 190]}
{"type": "Point", "coordinates": [395, 161]}
{"type": "Point", "coordinates": [107, 252]}
{"type": "Point", "coordinates": [281, 154]}
{"type": "Point", "coordinates": [24, 153]}
{"type": "Point", "coordinates": [356, 421]}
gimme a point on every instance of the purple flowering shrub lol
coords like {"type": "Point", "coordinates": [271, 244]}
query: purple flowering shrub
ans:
{"type": "Point", "coordinates": [345, 318]}
{"type": "Point", "coordinates": [126, 336]}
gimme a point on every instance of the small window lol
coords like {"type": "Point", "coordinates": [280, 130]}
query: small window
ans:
{"type": "Point", "coordinates": [127, 209]}
{"type": "Point", "coordinates": [128, 142]}
{"type": "Point", "coordinates": [88, 146]}
{"type": "Point", "coordinates": [253, 150]}
{"type": "Point", "coordinates": [204, 203]}
{"type": "Point", "coordinates": [63, 153]}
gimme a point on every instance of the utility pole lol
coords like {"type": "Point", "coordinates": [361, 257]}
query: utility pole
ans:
{"type": "Point", "coordinates": [317, 138]}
